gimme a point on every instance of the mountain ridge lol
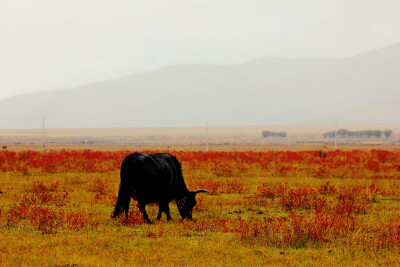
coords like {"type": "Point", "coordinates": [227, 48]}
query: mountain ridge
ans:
{"type": "Point", "coordinates": [262, 91]}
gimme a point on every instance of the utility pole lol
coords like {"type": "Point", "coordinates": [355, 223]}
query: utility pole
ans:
{"type": "Point", "coordinates": [85, 125]}
{"type": "Point", "coordinates": [206, 135]}
{"type": "Point", "coordinates": [336, 136]}
{"type": "Point", "coordinates": [44, 140]}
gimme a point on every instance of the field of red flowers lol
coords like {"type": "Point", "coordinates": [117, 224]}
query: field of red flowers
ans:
{"type": "Point", "coordinates": [272, 207]}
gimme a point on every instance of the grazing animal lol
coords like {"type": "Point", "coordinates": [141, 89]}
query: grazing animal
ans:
{"type": "Point", "coordinates": [154, 178]}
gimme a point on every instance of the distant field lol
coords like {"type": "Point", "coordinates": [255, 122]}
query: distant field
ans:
{"type": "Point", "coordinates": [266, 208]}
{"type": "Point", "coordinates": [194, 138]}
{"type": "Point", "coordinates": [202, 147]}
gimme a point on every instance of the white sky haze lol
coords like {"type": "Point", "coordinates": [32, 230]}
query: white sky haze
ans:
{"type": "Point", "coordinates": [48, 44]}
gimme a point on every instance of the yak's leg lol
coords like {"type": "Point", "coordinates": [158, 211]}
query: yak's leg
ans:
{"type": "Point", "coordinates": [166, 210]}
{"type": "Point", "coordinates": [159, 212]}
{"type": "Point", "coordinates": [163, 207]}
{"type": "Point", "coordinates": [126, 206]}
{"type": "Point", "coordinates": [142, 208]}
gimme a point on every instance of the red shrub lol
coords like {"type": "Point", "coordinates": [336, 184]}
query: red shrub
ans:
{"type": "Point", "coordinates": [265, 191]}
{"type": "Point", "coordinates": [135, 217]}
{"type": "Point", "coordinates": [296, 198]}
{"type": "Point", "coordinates": [100, 186]}
{"type": "Point", "coordinates": [348, 204]}
{"type": "Point", "coordinates": [39, 187]}
{"type": "Point", "coordinates": [334, 222]}
{"type": "Point", "coordinates": [294, 230]}
{"type": "Point", "coordinates": [326, 189]}
{"type": "Point", "coordinates": [222, 223]}
{"type": "Point", "coordinates": [234, 186]}
{"type": "Point", "coordinates": [42, 194]}
{"type": "Point", "coordinates": [75, 220]}
{"type": "Point", "coordinates": [17, 213]}
{"type": "Point", "coordinates": [318, 203]}
{"type": "Point", "coordinates": [388, 234]}
{"type": "Point", "coordinates": [44, 219]}
{"type": "Point", "coordinates": [222, 169]}
{"type": "Point", "coordinates": [370, 193]}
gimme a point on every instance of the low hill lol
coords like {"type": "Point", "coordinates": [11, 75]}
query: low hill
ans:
{"type": "Point", "coordinates": [258, 92]}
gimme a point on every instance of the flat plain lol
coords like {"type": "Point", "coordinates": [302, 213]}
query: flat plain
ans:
{"type": "Point", "coordinates": [272, 207]}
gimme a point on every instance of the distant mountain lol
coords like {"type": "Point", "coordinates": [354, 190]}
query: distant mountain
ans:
{"type": "Point", "coordinates": [361, 88]}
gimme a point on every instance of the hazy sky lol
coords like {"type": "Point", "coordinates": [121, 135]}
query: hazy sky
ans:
{"type": "Point", "coordinates": [53, 44]}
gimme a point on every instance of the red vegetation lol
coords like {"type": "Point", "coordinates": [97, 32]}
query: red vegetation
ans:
{"type": "Point", "coordinates": [34, 207]}
{"type": "Point", "coordinates": [294, 230]}
{"type": "Point", "coordinates": [228, 186]}
{"type": "Point", "coordinates": [134, 217]}
{"type": "Point", "coordinates": [75, 220]}
{"type": "Point", "coordinates": [374, 164]}
{"type": "Point", "coordinates": [312, 213]}
{"type": "Point", "coordinates": [42, 194]}
{"type": "Point", "coordinates": [44, 219]}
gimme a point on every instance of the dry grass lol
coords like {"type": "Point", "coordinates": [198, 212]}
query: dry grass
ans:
{"type": "Point", "coordinates": [256, 216]}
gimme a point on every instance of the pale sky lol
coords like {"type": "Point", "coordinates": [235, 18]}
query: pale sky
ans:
{"type": "Point", "coordinates": [54, 44]}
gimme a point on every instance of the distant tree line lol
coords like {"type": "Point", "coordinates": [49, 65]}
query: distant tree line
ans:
{"type": "Point", "coordinates": [267, 134]}
{"type": "Point", "coordinates": [344, 133]}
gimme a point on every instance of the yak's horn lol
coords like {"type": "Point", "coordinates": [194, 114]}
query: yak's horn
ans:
{"type": "Point", "coordinates": [201, 191]}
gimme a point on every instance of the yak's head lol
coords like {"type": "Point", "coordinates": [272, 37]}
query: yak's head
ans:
{"type": "Point", "coordinates": [186, 204]}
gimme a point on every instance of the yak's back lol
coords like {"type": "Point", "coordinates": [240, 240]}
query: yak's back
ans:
{"type": "Point", "coordinates": [153, 177]}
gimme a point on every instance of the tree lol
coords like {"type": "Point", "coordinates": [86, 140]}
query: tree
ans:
{"type": "Point", "coordinates": [330, 134]}
{"type": "Point", "coordinates": [282, 134]}
{"type": "Point", "coordinates": [265, 134]}
{"type": "Point", "coordinates": [388, 133]}
{"type": "Point", "coordinates": [344, 133]}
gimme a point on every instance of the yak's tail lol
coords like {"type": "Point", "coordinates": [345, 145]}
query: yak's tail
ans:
{"type": "Point", "coordinates": [122, 201]}
{"type": "Point", "coordinates": [124, 195]}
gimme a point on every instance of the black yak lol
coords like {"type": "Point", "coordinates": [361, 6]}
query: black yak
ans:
{"type": "Point", "coordinates": [154, 178]}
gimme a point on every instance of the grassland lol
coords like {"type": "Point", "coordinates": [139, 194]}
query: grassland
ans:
{"type": "Point", "coordinates": [315, 207]}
